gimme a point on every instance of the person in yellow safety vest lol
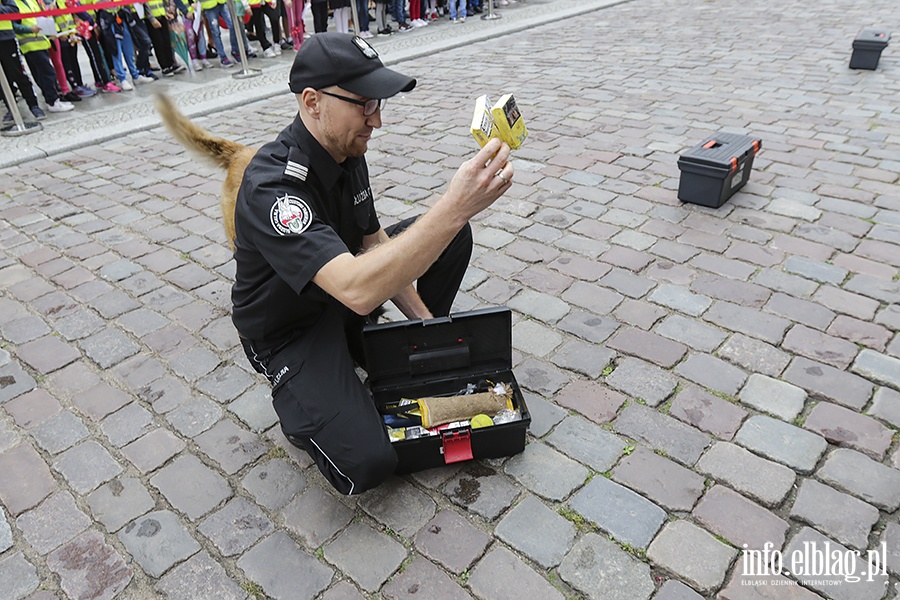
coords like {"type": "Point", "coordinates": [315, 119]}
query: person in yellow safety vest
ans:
{"type": "Point", "coordinates": [69, 41]}
{"type": "Point", "coordinates": [35, 47]}
{"type": "Point", "coordinates": [157, 22]}
{"type": "Point", "coordinates": [196, 40]}
{"type": "Point", "coordinates": [12, 65]}
{"type": "Point", "coordinates": [64, 23]}
{"type": "Point", "coordinates": [213, 10]}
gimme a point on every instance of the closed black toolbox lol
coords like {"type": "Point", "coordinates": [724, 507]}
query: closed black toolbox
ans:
{"type": "Point", "coordinates": [439, 358]}
{"type": "Point", "coordinates": [867, 48]}
{"type": "Point", "coordinates": [716, 168]}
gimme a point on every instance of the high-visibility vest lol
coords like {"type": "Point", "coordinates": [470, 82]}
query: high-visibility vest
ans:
{"type": "Point", "coordinates": [30, 42]}
{"type": "Point", "coordinates": [156, 8]}
{"type": "Point", "coordinates": [64, 23]}
{"type": "Point", "coordinates": [208, 4]}
{"type": "Point", "coordinates": [5, 25]}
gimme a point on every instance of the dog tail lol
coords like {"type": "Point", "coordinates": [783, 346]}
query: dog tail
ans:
{"type": "Point", "coordinates": [194, 137]}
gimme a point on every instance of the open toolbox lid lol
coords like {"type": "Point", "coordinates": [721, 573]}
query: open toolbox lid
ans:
{"type": "Point", "coordinates": [872, 39]}
{"type": "Point", "coordinates": [722, 150]}
{"type": "Point", "coordinates": [419, 351]}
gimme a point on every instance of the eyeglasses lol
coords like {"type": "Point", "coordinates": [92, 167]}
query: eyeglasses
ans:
{"type": "Point", "coordinates": [369, 106]}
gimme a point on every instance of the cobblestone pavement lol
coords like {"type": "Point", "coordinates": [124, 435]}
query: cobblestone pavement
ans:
{"type": "Point", "coordinates": [701, 381]}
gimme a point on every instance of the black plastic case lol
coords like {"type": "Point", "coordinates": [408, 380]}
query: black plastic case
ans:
{"type": "Point", "coordinates": [439, 357]}
{"type": "Point", "coordinates": [867, 48]}
{"type": "Point", "coordinates": [713, 170]}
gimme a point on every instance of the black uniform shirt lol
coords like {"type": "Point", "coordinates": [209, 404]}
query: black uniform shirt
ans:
{"type": "Point", "coordinates": [296, 210]}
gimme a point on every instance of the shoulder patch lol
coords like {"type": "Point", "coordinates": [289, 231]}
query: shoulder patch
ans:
{"type": "Point", "coordinates": [290, 215]}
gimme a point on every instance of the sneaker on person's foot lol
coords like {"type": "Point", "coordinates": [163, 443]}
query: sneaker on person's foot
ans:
{"type": "Point", "coordinates": [197, 65]}
{"type": "Point", "coordinates": [71, 96]}
{"type": "Point", "coordinates": [147, 79]}
{"type": "Point", "coordinates": [126, 85]}
{"type": "Point", "coordinates": [167, 72]}
{"type": "Point", "coordinates": [38, 113]}
{"type": "Point", "coordinates": [277, 49]}
{"type": "Point", "coordinates": [269, 52]}
{"type": "Point", "coordinates": [111, 88]}
{"type": "Point", "coordinates": [404, 27]}
{"type": "Point", "coordinates": [180, 68]}
{"type": "Point", "coordinates": [365, 34]}
{"type": "Point", "coordinates": [227, 64]}
{"type": "Point", "coordinates": [462, 19]}
{"type": "Point", "coordinates": [287, 45]}
{"type": "Point", "coordinates": [206, 64]}
{"type": "Point", "coordinates": [385, 31]}
{"type": "Point", "coordinates": [60, 106]}
{"type": "Point", "coordinates": [84, 92]}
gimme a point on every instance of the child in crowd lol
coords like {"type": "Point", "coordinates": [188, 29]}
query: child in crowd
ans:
{"type": "Point", "coordinates": [341, 11]}
{"type": "Point", "coordinates": [35, 47]}
{"type": "Point", "coordinates": [382, 27]}
{"type": "Point", "coordinates": [295, 21]}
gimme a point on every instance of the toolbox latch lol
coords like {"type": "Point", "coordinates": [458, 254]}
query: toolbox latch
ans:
{"type": "Point", "coordinates": [457, 445]}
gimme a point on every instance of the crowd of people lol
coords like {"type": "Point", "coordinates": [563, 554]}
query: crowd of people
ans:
{"type": "Point", "coordinates": [135, 44]}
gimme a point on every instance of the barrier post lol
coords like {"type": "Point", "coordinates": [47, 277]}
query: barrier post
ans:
{"type": "Point", "coordinates": [19, 126]}
{"type": "Point", "coordinates": [239, 36]}
{"type": "Point", "coordinates": [491, 14]}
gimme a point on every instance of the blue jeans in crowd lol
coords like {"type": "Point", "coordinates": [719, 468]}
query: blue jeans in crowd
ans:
{"type": "Point", "coordinates": [362, 9]}
{"type": "Point", "coordinates": [212, 17]}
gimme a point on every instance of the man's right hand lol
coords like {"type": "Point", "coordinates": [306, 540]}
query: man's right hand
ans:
{"type": "Point", "coordinates": [481, 180]}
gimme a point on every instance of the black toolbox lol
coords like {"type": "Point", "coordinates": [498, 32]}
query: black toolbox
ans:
{"type": "Point", "coordinates": [867, 48]}
{"type": "Point", "coordinates": [716, 168]}
{"type": "Point", "coordinates": [441, 357]}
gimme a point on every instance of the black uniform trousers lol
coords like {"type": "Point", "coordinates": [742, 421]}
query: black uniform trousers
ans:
{"type": "Point", "coordinates": [15, 75]}
{"type": "Point", "coordinates": [321, 402]}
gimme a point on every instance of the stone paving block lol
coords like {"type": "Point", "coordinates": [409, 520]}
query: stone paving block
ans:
{"type": "Point", "coordinates": [153, 450]}
{"type": "Point", "coordinates": [781, 442]}
{"type": "Point", "coordinates": [14, 381]}
{"type": "Point", "coordinates": [739, 521]}
{"type": "Point", "coordinates": [199, 576]}
{"type": "Point", "coordinates": [762, 480]}
{"type": "Point", "coordinates": [831, 586]}
{"type": "Point", "coordinates": [661, 432]}
{"type": "Point", "coordinates": [643, 381]}
{"type": "Point", "coordinates": [815, 270]}
{"type": "Point", "coordinates": [47, 354]}
{"type": "Point", "coordinates": [681, 299]}
{"type": "Point", "coordinates": [844, 427]}
{"type": "Point", "coordinates": [675, 590]}
{"type": "Point", "coordinates": [365, 555]}
{"type": "Point", "coordinates": [582, 357]}
{"type": "Point", "coordinates": [19, 575]}
{"type": "Point", "coordinates": [661, 480]}
{"type": "Point", "coordinates": [862, 477]}
{"type": "Point", "coordinates": [191, 487]}
{"type": "Point", "coordinates": [194, 363]}
{"type": "Point", "coordinates": [873, 287]}
{"type": "Point", "coordinates": [639, 313]}
{"type": "Point", "coordinates": [801, 311]}
{"type": "Point", "coordinates": [60, 432]}
{"type": "Point", "coordinates": [9, 435]}
{"type": "Point", "coordinates": [845, 302]}
{"type": "Point", "coordinates": [592, 298]}
{"type": "Point", "coordinates": [877, 367]}
{"type": "Point", "coordinates": [164, 393]}
{"type": "Point", "coordinates": [452, 541]}
{"type": "Point", "coordinates": [6, 538]}
{"type": "Point", "coordinates": [770, 587]}
{"type": "Point", "coordinates": [24, 330]}
{"type": "Point", "coordinates": [88, 567]}
{"type": "Point", "coordinates": [544, 415]}
{"type": "Point", "coordinates": [142, 321]}
{"type": "Point", "coordinates": [316, 516]}
{"type": "Point", "coordinates": [599, 569]}
{"type": "Point", "coordinates": [544, 307]}
{"type": "Point", "coordinates": [226, 383]}
{"type": "Point", "coordinates": [274, 483]}
{"type": "Point", "coordinates": [647, 345]}
{"type": "Point", "coordinates": [874, 336]}
{"type": "Point", "coordinates": [536, 531]}
{"type": "Point", "coordinates": [587, 443]}
{"type": "Point", "coordinates": [503, 576]}
{"type": "Point", "coordinates": [773, 396]}
{"type": "Point", "coordinates": [595, 401]}
{"type": "Point", "coordinates": [481, 490]}
{"type": "Point", "coordinates": [236, 526]}
{"type": "Point", "coordinates": [891, 540]}
{"type": "Point", "coordinates": [730, 290]}
{"type": "Point", "coordinates": [692, 333]}
{"type": "Point", "coordinates": [829, 383]}
{"type": "Point", "coordinates": [885, 406]}
{"type": "Point", "coordinates": [627, 516]}
{"type": "Point", "coordinates": [79, 325]}
{"type": "Point", "coordinates": [121, 500]}
{"type": "Point", "coordinates": [194, 416]}
{"type": "Point", "coordinates": [100, 400]}
{"type": "Point", "coordinates": [254, 408]}
{"type": "Point", "coordinates": [749, 321]}
{"type": "Point", "coordinates": [819, 346]}
{"type": "Point", "coordinates": [593, 328]}
{"type": "Point", "coordinates": [712, 373]}
{"type": "Point", "coordinates": [54, 522]}
{"type": "Point", "coordinates": [86, 466]}
{"type": "Point", "coordinates": [691, 554]}
{"type": "Point", "coordinates": [399, 506]}
{"type": "Point", "coordinates": [127, 424]}
{"type": "Point", "coordinates": [26, 479]}
{"type": "Point", "coordinates": [540, 377]}
{"type": "Point", "coordinates": [836, 514]}
{"type": "Point", "coordinates": [109, 347]}
{"type": "Point", "coordinates": [534, 338]}
{"type": "Point", "coordinates": [707, 412]}
{"type": "Point", "coordinates": [545, 471]}
{"type": "Point", "coordinates": [420, 579]}
{"type": "Point", "coordinates": [230, 446]}
{"type": "Point", "coordinates": [157, 541]}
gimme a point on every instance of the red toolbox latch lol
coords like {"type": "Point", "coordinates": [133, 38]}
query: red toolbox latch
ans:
{"type": "Point", "coordinates": [457, 445]}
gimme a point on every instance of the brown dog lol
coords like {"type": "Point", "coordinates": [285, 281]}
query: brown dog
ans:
{"type": "Point", "coordinates": [231, 156]}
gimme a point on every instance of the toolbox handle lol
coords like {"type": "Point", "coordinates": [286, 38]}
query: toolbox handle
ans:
{"type": "Point", "coordinates": [711, 144]}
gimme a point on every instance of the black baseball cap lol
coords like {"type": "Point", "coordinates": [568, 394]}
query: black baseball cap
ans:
{"type": "Point", "coordinates": [341, 59]}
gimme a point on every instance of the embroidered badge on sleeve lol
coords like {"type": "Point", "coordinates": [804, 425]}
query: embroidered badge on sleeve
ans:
{"type": "Point", "coordinates": [290, 215]}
